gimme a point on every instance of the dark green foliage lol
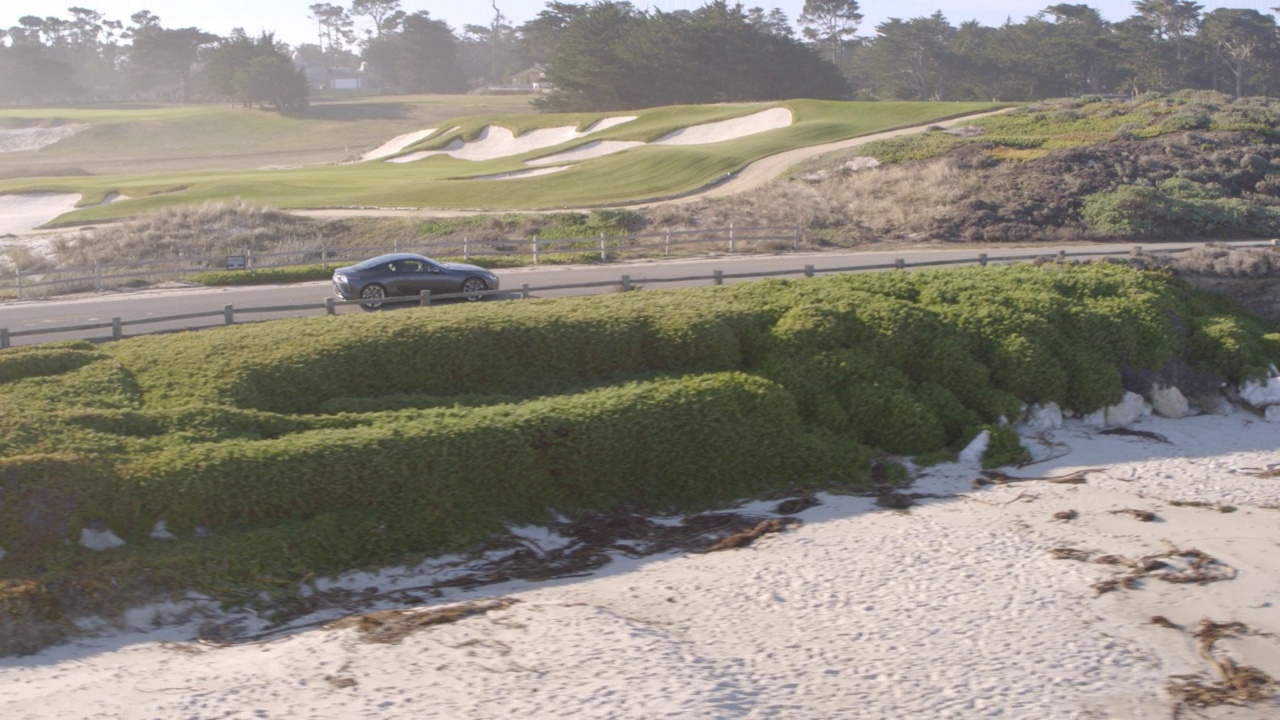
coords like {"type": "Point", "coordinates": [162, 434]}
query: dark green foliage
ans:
{"type": "Point", "coordinates": [46, 499]}
{"type": "Point", "coordinates": [315, 445]}
{"type": "Point", "coordinates": [612, 57]}
{"type": "Point", "coordinates": [1004, 448]}
{"type": "Point", "coordinates": [684, 442]}
{"type": "Point", "coordinates": [53, 359]}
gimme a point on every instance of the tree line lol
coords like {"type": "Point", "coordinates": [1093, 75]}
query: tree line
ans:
{"type": "Point", "coordinates": [610, 55]}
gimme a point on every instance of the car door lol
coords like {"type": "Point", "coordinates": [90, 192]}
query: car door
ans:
{"type": "Point", "coordinates": [412, 277]}
{"type": "Point", "coordinates": [439, 280]}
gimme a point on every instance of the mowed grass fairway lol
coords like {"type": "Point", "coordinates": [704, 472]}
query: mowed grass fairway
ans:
{"type": "Point", "coordinates": [139, 139]}
{"type": "Point", "coordinates": [640, 173]}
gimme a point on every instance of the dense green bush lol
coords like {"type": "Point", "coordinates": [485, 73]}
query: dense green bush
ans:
{"type": "Point", "coordinates": [313, 445]}
{"type": "Point", "coordinates": [40, 360]}
{"type": "Point", "coordinates": [683, 442]}
{"type": "Point", "coordinates": [1180, 207]}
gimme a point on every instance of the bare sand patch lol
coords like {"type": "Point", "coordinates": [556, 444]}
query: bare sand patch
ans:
{"type": "Point", "coordinates": [496, 141]}
{"type": "Point", "coordinates": [593, 149]}
{"type": "Point", "coordinates": [517, 174]}
{"type": "Point", "coordinates": [732, 129]}
{"type": "Point", "coordinates": [22, 213]}
{"type": "Point", "coordinates": [28, 139]}
{"type": "Point", "coordinates": [606, 123]}
{"type": "Point", "coordinates": [396, 144]}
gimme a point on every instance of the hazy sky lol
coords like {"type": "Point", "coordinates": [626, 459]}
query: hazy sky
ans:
{"type": "Point", "coordinates": [288, 18]}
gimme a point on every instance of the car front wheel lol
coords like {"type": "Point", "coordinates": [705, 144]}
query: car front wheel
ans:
{"type": "Point", "coordinates": [472, 287]}
{"type": "Point", "coordinates": [373, 296]}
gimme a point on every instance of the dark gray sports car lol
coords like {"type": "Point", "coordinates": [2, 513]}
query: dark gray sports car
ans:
{"type": "Point", "coordinates": [409, 274]}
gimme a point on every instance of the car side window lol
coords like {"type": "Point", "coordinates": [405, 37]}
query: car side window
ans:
{"type": "Point", "coordinates": [412, 266]}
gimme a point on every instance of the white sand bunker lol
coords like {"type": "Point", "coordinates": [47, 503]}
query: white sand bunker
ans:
{"type": "Point", "coordinates": [498, 142]}
{"type": "Point", "coordinates": [521, 173]}
{"type": "Point", "coordinates": [396, 144]}
{"type": "Point", "coordinates": [23, 213]}
{"type": "Point", "coordinates": [704, 134]}
{"type": "Point", "coordinates": [593, 149]}
{"type": "Point", "coordinates": [731, 129]}
{"type": "Point", "coordinates": [27, 139]}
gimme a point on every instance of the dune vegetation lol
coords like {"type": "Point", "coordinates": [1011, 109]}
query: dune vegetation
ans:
{"type": "Point", "coordinates": [280, 451]}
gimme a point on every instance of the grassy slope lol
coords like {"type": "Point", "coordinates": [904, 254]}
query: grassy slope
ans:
{"type": "Point", "coordinates": [641, 173]}
{"type": "Point", "coordinates": [150, 139]}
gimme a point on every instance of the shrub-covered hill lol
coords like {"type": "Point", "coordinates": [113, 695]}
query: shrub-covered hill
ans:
{"type": "Point", "coordinates": [1192, 165]}
{"type": "Point", "coordinates": [280, 450]}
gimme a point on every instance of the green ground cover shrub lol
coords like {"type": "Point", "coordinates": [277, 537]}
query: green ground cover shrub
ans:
{"type": "Point", "coordinates": [42, 360]}
{"type": "Point", "coordinates": [315, 445]}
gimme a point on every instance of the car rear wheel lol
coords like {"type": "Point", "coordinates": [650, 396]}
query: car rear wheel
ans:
{"type": "Point", "coordinates": [472, 287]}
{"type": "Point", "coordinates": [373, 295]}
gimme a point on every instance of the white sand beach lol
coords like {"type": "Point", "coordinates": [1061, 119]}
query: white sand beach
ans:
{"type": "Point", "coordinates": [1047, 593]}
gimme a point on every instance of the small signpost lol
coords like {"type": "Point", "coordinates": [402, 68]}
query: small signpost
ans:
{"type": "Point", "coordinates": [235, 262]}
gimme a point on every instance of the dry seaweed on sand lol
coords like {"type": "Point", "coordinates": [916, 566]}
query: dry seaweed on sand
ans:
{"type": "Point", "coordinates": [391, 626]}
{"type": "Point", "coordinates": [1066, 515]}
{"type": "Point", "coordinates": [1235, 684]}
{"type": "Point", "coordinates": [995, 477]}
{"type": "Point", "coordinates": [1141, 515]}
{"type": "Point", "coordinates": [746, 537]}
{"type": "Point", "coordinates": [591, 540]}
{"type": "Point", "coordinates": [1175, 566]}
{"type": "Point", "coordinates": [797, 504]}
{"type": "Point", "coordinates": [1202, 504]}
{"type": "Point", "coordinates": [1147, 434]}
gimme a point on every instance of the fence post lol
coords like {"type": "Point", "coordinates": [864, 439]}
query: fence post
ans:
{"type": "Point", "coordinates": [466, 249]}
{"type": "Point", "coordinates": [329, 306]}
{"type": "Point", "coordinates": [808, 271]}
{"type": "Point", "coordinates": [397, 245]}
{"type": "Point", "coordinates": [324, 255]}
{"type": "Point", "coordinates": [666, 249]}
{"type": "Point", "coordinates": [982, 259]}
{"type": "Point", "coordinates": [424, 298]}
{"type": "Point", "coordinates": [795, 244]}
{"type": "Point", "coordinates": [604, 254]}
{"type": "Point", "coordinates": [248, 259]}
{"type": "Point", "coordinates": [626, 283]}
{"type": "Point", "coordinates": [524, 291]}
{"type": "Point", "coordinates": [117, 331]}
{"type": "Point", "coordinates": [4, 338]}
{"type": "Point", "coordinates": [730, 237]}
{"type": "Point", "coordinates": [900, 264]}
{"type": "Point", "coordinates": [718, 277]}
{"type": "Point", "coordinates": [97, 276]}
{"type": "Point", "coordinates": [228, 314]}
{"type": "Point", "coordinates": [535, 251]}
{"type": "Point", "coordinates": [19, 273]}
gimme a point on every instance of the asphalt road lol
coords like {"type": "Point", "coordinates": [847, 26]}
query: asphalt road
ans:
{"type": "Point", "coordinates": [21, 317]}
